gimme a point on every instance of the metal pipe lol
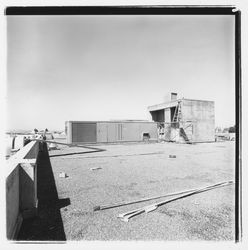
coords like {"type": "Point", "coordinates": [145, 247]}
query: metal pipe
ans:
{"type": "Point", "coordinates": [126, 216]}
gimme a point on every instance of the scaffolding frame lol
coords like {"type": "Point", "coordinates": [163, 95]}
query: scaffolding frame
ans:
{"type": "Point", "coordinates": [179, 131]}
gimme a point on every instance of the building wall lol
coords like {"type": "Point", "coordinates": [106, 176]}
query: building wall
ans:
{"type": "Point", "coordinates": [108, 132]}
{"type": "Point", "coordinates": [202, 115]}
{"type": "Point", "coordinates": [83, 132]}
{"type": "Point", "coordinates": [68, 131]}
{"type": "Point", "coordinates": [167, 115]}
{"type": "Point", "coordinates": [103, 135]}
{"type": "Point", "coordinates": [125, 131]}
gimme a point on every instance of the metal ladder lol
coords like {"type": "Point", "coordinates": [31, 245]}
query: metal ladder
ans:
{"type": "Point", "coordinates": [177, 118]}
{"type": "Point", "coordinates": [178, 113]}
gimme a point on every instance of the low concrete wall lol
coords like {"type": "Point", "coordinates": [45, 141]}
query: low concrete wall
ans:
{"type": "Point", "coordinates": [21, 187]}
{"type": "Point", "coordinates": [13, 218]}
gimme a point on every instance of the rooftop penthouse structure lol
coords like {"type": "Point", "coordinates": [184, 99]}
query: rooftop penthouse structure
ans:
{"type": "Point", "coordinates": [184, 120]}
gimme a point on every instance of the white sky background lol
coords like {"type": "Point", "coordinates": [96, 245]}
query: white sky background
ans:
{"type": "Point", "coordinates": [112, 67]}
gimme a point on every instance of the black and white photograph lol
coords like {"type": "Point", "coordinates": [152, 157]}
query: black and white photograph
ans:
{"type": "Point", "coordinates": [123, 124]}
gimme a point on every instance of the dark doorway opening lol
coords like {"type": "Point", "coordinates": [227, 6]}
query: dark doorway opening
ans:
{"type": "Point", "coordinates": [146, 136]}
{"type": "Point", "coordinates": [158, 115]}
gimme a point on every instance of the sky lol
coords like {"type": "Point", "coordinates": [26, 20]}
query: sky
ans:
{"type": "Point", "coordinates": [63, 68]}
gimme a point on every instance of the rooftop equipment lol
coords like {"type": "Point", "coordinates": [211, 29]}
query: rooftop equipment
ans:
{"type": "Point", "coordinates": [110, 131]}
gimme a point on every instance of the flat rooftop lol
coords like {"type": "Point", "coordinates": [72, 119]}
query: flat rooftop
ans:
{"type": "Point", "coordinates": [130, 172]}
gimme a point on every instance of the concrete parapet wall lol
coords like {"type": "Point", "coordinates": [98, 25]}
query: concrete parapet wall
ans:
{"type": "Point", "coordinates": [21, 187]}
{"type": "Point", "coordinates": [12, 204]}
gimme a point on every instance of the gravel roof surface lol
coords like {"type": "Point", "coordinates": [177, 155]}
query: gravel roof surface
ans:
{"type": "Point", "coordinates": [135, 171]}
